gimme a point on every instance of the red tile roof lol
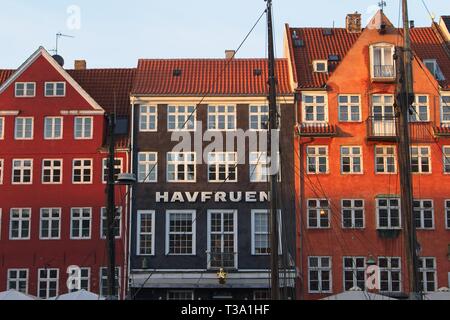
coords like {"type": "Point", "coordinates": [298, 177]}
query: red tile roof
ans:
{"type": "Point", "coordinates": [426, 42]}
{"type": "Point", "coordinates": [4, 75]}
{"type": "Point", "coordinates": [208, 77]}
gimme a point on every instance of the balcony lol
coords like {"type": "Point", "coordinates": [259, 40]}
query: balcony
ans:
{"type": "Point", "coordinates": [317, 130]}
{"type": "Point", "coordinates": [383, 72]}
{"type": "Point", "coordinates": [382, 128]}
{"type": "Point", "coordinates": [225, 260]}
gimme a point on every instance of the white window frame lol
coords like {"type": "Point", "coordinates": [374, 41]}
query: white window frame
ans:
{"type": "Point", "coordinates": [415, 117]}
{"type": "Point", "coordinates": [47, 280]}
{"type": "Point", "coordinates": [389, 214]}
{"type": "Point", "coordinates": [116, 167]}
{"type": "Point", "coordinates": [52, 169]}
{"type": "Point", "coordinates": [54, 89]}
{"type": "Point", "coordinates": [314, 105]}
{"type": "Point", "coordinates": [184, 162]}
{"type": "Point", "coordinates": [79, 235]}
{"type": "Point", "coordinates": [447, 105]}
{"type": "Point", "coordinates": [421, 210]}
{"type": "Point", "coordinates": [103, 218]}
{"type": "Point", "coordinates": [146, 117]}
{"type": "Point", "coordinates": [318, 209]}
{"type": "Point", "coordinates": [419, 159]}
{"type": "Point", "coordinates": [353, 269]}
{"type": "Point", "coordinates": [190, 117]}
{"type": "Point", "coordinates": [23, 125]}
{"type": "Point", "coordinates": [25, 89]}
{"type": "Point", "coordinates": [424, 270]}
{"type": "Point", "coordinates": [446, 159]}
{"type": "Point", "coordinates": [104, 278]}
{"type": "Point", "coordinates": [348, 105]}
{"type": "Point", "coordinates": [21, 169]}
{"type": "Point", "coordinates": [320, 269]}
{"type": "Point", "coordinates": [218, 159]}
{"type": "Point", "coordinates": [216, 113]}
{"type": "Point", "coordinates": [83, 135]}
{"type": "Point", "coordinates": [352, 157]}
{"type": "Point", "coordinates": [436, 73]}
{"type": "Point", "coordinates": [187, 292]}
{"type": "Point", "coordinates": [260, 115]}
{"type": "Point", "coordinates": [140, 213]}
{"type": "Point", "coordinates": [254, 212]}
{"type": "Point", "coordinates": [352, 208]}
{"type": "Point", "coordinates": [193, 233]}
{"type": "Point", "coordinates": [316, 156]}
{"type": "Point", "coordinates": [260, 166]}
{"type": "Point", "coordinates": [52, 124]}
{"type": "Point", "coordinates": [317, 62]}
{"type": "Point", "coordinates": [2, 128]}
{"type": "Point", "coordinates": [383, 58]}
{"type": "Point", "coordinates": [385, 156]}
{"type": "Point", "coordinates": [389, 271]}
{"type": "Point", "coordinates": [20, 220]}
{"type": "Point", "coordinates": [51, 220]}
{"type": "Point", "coordinates": [147, 168]}
{"type": "Point", "coordinates": [82, 167]}
{"type": "Point", "coordinates": [18, 279]}
{"type": "Point", "coordinates": [83, 278]}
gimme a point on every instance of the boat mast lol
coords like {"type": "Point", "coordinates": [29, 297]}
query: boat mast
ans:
{"type": "Point", "coordinates": [273, 126]}
{"type": "Point", "coordinates": [405, 99]}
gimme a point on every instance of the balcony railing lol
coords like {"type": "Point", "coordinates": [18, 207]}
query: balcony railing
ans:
{"type": "Point", "coordinates": [225, 260]}
{"type": "Point", "coordinates": [381, 128]}
{"type": "Point", "coordinates": [383, 71]}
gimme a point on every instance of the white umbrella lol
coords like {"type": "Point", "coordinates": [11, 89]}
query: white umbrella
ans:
{"type": "Point", "coordinates": [15, 295]}
{"type": "Point", "coordinates": [357, 294]}
{"type": "Point", "coordinates": [441, 294]}
{"type": "Point", "coordinates": [81, 295]}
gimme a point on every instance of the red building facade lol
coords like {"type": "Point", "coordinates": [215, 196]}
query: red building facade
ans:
{"type": "Point", "coordinates": [52, 189]}
{"type": "Point", "coordinates": [347, 177]}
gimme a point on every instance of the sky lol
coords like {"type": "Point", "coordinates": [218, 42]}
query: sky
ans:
{"type": "Point", "coordinates": [116, 33]}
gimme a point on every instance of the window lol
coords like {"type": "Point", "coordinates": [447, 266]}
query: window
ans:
{"type": "Point", "coordinates": [318, 213]}
{"type": "Point", "coordinates": [320, 65]}
{"type": "Point", "coordinates": [447, 214]}
{"type": "Point", "coordinates": [80, 223]}
{"type": "Point", "coordinates": [262, 295]}
{"type": "Point", "coordinates": [352, 214]}
{"type": "Point", "coordinates": [117, 224]}
{"type": "Point", "coordinates": [24, 128]}
{"type": "Point", "coordinates": [55, 89]}
{"type": "Point", "coordinates": [385, 160]}
{"type": "Point", "coordinates": [18, 280]}
{"type": "Point", "coordinates": [51, 171]}
{"type": "Point", "coordinates": [261, 232]}
{"type": "Point", "coordinates": [2, 128]}
{"type": "Point", "coordinates": [383, 116]}
{"type": "Point", "coordinates": [424, 214]}
{"type": "Point", "coordinates": [420, 109]}
{"type": "Point", "coordinates": [388, 213]}
{"type": "Point", "coordinates": [259, 118]}
{"type": "Point", "coordinates": [82, 171]}
{"type": "Point", "coordinates": [118, 169]}
{"type": "Point", "coordinates": [83, 128]}
{"type": "Point", "coordinates": [315, 108]}
{"type": "Point", "coordinates": [390, 274]}
{"type": "Point", "coordinates": [48, 283]}
{"type": "Point", "coordinates": [446, 159]}
{"type": "Point", "coordinates": [445, 103]}
{"type": "Point", "coordinates": [351, 160]}
{"type": "Point", "coordinates": [319, 274]}
{"type": "Point", "coordinates": [222, 167]}
{"type": "Point", "coordinates": [147, 167]}
{"type": "Point", "coordinates": [22, 171]}
{"type": "Point", "coordinates": [317, 158]}
{"type": "Point", "coordinates": [427, 274]}
{"type": "Point", "coordinates": [433, 67]}
{"type": "Point", "coordinates": [50, 224]}
{"type": "Point", "coordinates": [181, 118]}
{"type": "Point", "coordinates": [382, 61]}
{"type": "Point", "coordinates": [53, 128]}
{"type": "Point", "coordinates": [104, 282]}
{"type": "Point", "coordinates": [20, 224]}
{"type": "Point", "coordinates": [420, 160]}
{"type": "Point", "coordinates": [181, 167]}
{"type": "Point", "coordinates": [180, 233]}
{"type": "Point", "coordinates": [349, 108]}
{"type": "Point", "coordinates": [25, 89]}
{"type": "Point", "coordinates": [84, 282]}
{"type": "Point", "coordinates": [222, 117]}
{"type": "Point", "coordinates": [146, 234]}
{"type": "Point", "coordinates": [180, 295]}
{"type": "Point", "coordinates": [148, 118]}
{"type": "Point", "coordinates": [261, 167]}
{"type": "Point", "coordinates": [354, 273]}
{"type": "Point", "coordinates": [222, 239]}
{"type": "Point", "coordinates": [1, 170]}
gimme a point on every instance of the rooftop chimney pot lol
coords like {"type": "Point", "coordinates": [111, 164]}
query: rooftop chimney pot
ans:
{"type": "Point", "coordinates": [230, 54]}
{"type": "Point", "coordinates": [80, 64]}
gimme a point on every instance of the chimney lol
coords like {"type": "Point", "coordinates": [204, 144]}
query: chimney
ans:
{"type": "Point", "coordinates": [80, 64]}
{"type": "Point", "coordinates": [230, 54]}
{"type": "Point", "coordinates": [412, 24]}
{"type": "Point", "coordinates": [353, 22]}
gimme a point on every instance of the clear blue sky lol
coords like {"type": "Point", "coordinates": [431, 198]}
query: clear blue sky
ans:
{"type": "Point", "coordinates": [116, 33]}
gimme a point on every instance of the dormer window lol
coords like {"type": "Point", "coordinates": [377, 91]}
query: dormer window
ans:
{"type": "Point", "coordinates": [382, 61]}
{"type": "Point", "coordinates": [320, 65]}
{"type": "Point", "coordinates": [433, 67]}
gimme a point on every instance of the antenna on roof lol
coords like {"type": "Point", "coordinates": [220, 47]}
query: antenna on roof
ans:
{"type": "Point", "coordinates": [59, 35]}
{"type": "Point", "coordinates": [382, 5]}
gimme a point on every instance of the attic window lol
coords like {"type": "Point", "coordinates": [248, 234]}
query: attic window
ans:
{"type": "Point", "coordinates": [433, 66]}
{"type": "Point", "coordinates": [298, 43]}
{"type": "Point", "coordinates": [176, 72]}
{"type": "Point", "coordinates": [327, 32]}
{"type": "Point", "coordinates": [257, 72]}
{"type": "Point", "coordinates": [320, 66]}
{"type": "Point", "coordinates": [334, 58]}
